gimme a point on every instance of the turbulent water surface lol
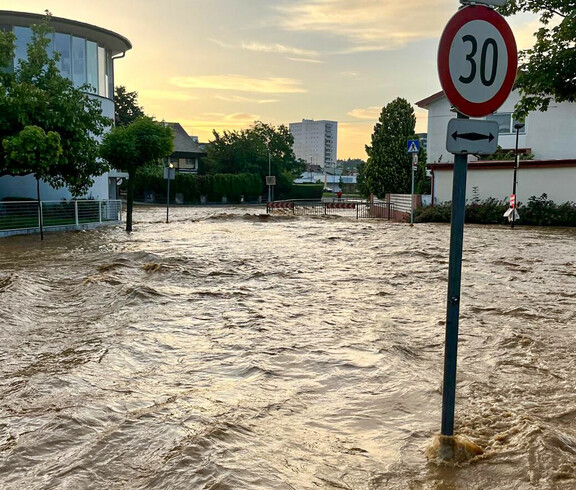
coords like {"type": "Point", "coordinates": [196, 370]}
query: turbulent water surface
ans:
{"type": "Point", "coordinates": [231, 350]}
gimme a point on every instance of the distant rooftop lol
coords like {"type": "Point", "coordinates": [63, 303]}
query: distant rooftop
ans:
{"type": "Point", "coordinates": [184, 144]}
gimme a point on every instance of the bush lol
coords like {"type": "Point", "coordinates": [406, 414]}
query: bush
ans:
{"type": "Point", "coordinates": [540, 211]}
{"type": "Point", "coordinates": [306, 191]}
{"type": "Point", "coordinates": [433, 214]}
{"type": "Point", "coordinates": [192, 186]}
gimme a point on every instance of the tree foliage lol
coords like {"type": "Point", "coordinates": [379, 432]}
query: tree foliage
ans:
{"type": "Point", "coordinates": [130, 148]}
{"type": "Point", "coordinates": [246, 151]}
{"type": "Point", "coordinates": [35, 94]}
{"type": "Point", "coordinates": [33, 150]}
{"type": "Point", "coordinates": [126, 108]}
{"type": "Point", "coordinates": [548, 69]}
{"type": "Point", "coordinates": [389, 166]}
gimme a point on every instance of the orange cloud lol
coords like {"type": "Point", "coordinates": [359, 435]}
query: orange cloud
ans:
{"type": "Point", "coordinates": [372, 113]}
{"type": "Point", "coordinates": [241, 84]}
{"type": "Point", "coordinates": [369, 24]}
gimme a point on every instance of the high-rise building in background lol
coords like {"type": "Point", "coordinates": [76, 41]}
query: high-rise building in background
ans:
{"type": "Point", "coordinates": [316, 141]}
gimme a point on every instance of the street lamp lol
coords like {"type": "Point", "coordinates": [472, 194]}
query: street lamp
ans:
{"type": "Point", "coordinates": [269, 174]}
{"type": "Point", "coordinates": [169, 176]}
{"type": "Point", "coordinates": [517, 126]}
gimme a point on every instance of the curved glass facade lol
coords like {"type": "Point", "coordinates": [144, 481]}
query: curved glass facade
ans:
{"type": "Point", "coordinates": [81, 60]}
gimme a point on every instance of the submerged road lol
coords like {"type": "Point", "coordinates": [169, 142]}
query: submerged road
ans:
{"type": "Point", "coordinates": [233, 350]}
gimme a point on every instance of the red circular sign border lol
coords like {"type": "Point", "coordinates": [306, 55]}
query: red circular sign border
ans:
{"type": "Point", "coordinates": [462, 17]}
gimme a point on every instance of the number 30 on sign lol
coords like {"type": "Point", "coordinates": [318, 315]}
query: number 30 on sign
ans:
{"type": "Point", "coordinates": [477, 60]}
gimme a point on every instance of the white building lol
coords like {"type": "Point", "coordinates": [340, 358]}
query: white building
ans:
{"type": "Point", "coordinates": [87, 55]}
{"type": "Point", "coordinates": [547, 135]}
{"type": "Point", "coordinates": [315, 141]}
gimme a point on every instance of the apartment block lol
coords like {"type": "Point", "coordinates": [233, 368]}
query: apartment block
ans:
{"type": "Point", "coordinates": [316, 141]}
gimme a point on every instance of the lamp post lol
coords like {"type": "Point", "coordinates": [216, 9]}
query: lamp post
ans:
{"type": "Point", "coordinates": [169, 175]}
{"type": "Point", "coordinates": [269, 174]}
{"type": "Point", "coordinates": [517, 126]}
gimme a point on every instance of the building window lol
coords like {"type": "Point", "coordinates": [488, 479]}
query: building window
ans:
{"type": "Point", "coordinates": [505, 122]}
{"type": "Point", "coordinates": [92, 66]}
{"type": "Point", "coordinates": [62, 46]}
{"type": "Point", "coordinates": [23, 37]}
{"type": "Point", "coordinates": [78, 61]}
{"type": "Point", "coordinates": [109, 75]}
{"type": "Point", "coordinates": [102, 81]}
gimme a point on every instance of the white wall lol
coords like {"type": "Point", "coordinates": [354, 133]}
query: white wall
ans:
{"type": "Point", "coordinates": [548, 134]}
{"type": "Point", "coordinates": [558, 183]}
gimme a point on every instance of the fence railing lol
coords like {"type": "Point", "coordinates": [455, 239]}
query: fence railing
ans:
{"type": "Point", "coordinates": [26, 215]}
{"type": "Point", "coordinates": [352, 208]}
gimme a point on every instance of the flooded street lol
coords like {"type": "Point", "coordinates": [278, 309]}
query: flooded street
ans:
{"type": "Point", "coordinates": [232, 350]}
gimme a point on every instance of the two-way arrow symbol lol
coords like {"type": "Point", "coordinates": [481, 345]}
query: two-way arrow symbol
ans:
{"type": "Point", "coordinates": [472, 136]}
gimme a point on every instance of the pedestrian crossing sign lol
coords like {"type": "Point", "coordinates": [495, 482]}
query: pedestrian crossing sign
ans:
{"type": "Point", "coordinates": [413, 146]}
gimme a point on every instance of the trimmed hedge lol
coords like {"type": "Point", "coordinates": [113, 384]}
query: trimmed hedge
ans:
{"type": "Point", "coordinates": [540, 211]}
{"type": "Point", "coordinates": [306, 191]}
{"type": "Point", "coordinates": [192, 187]}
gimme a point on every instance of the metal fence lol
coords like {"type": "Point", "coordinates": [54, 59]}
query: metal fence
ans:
{"type": "Point", "coordinates": [26, 215]}
{"type": "Point", "coordinates": [350, 209]}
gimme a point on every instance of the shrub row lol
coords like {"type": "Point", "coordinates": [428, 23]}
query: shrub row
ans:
{"type": "Point", "coordinates": [539, 211]}
{"type": "Point", "coordinates": [192, 187]}
{"type": "Point", "coordinates": [306, 191]}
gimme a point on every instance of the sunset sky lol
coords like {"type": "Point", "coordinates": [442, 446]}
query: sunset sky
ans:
{"type": "Point", "coordinates": [222, 64]}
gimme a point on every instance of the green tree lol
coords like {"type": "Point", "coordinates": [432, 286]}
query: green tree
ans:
{"type": "Point", "coordinates": [361, 185]}
{"type": "Point", "coordinates": [131, 148]}
{"type": "Point", "coordinates": [246, 151]}
{"type": "Point", "coordinates": [548, 69]}
{"type": "Point", "coordinates": [36, 151]}
{"type": "Point", "coordinates": [389, 166]}
{"type": "Point", "coordinates": [126, 108]}
{"type": "Point", "coordinates": [35, 94]}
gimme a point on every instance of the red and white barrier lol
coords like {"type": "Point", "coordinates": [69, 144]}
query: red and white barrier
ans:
{"type": "Point", "coordinates": [280, 205]}
{"type": "Point", "coordinates": [341, 205]}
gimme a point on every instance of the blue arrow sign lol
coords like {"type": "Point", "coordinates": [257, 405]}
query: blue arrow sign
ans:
{"type": "Point", "coordinates": [413, 146]}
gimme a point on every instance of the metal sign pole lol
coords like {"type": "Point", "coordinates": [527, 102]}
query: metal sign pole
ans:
{"type": "Point", "coordinates": [454, 283]}
{"type": "Point", "coordinates": [413, 165]}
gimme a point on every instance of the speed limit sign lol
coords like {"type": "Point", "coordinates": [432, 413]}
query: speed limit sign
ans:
{"type": "Point", "coordinates": [477, 60]}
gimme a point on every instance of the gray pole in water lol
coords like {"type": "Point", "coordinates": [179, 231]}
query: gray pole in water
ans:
{"type": "Point", "coordinates": [517, 127]}
{"type": "Point", "coordinates": [40, 224]}
{"type": "Point", "coordinates": [269, 173]}
{"type": "Point", "coordinates": [412, 194]}
{"type": "Point", "coordinates": [454, 283]}
{"type": "Point", "coordinates": [170, 166]}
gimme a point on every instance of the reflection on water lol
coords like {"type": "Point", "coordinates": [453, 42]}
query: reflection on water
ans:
{"type": "Point", "coordinates": [229, 349]}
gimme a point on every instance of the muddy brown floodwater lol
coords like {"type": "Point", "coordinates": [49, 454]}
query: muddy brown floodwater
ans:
{"type": "Point", "coordinates": [231, 350]}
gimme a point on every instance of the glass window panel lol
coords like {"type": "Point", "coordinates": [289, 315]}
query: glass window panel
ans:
{"type": "Point", "coordinates": [62, 46]}
{"type": "Point", "coordinates": [522, 130]}
{"type": "Point", "coordinates": [109, 75]}
{"type": "Point", "coordinates": [92, 66]}
{"type": "Point", "coordinates": [78, 61]}
{"type": "Point", "coordinates": [10, 67]}
{"type": "Point", "coordinates": [50, 47]}
{"type": "Point", "coordinates": [102, 82]}
{"type": "Point", "coordinates": [23, 37]}
{"type": "Point", "coordinates": [503, 120]}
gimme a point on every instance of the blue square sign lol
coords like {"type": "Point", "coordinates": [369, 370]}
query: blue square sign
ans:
{"type": "Point", "coordinates": [413, 146]}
